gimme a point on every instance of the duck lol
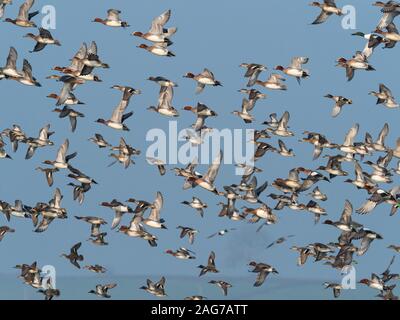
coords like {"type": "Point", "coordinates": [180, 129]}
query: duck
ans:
{"type": "Point", "coordinates": [95, 268]}
{"type": "Point", "coordinates": [328, 7]}
{"type": "Point", "coordinates": [282, 128]}
{"type": "Point", "coordinates": [157, 32]}
{"type": "Point", "coordinates": [10, 69]}
{"type": "Point", "coordinates": [207, 181]}
{"type": "Point", "coordinates": [197, 204]}
{"type": "Point", "coordinates": [164, 106]}
{"type": "Point", "coordinates": [3, 4]}
{"type": "Point", "coordinates": [24, 17]}
{"type": "Point", "coordinates": [334, 167]}
{"type": "Point", "coordinates": [390, 37]}
{"type": "Point", "coordinates": [157, 289]}
{"type": "Point", "coordinates": [49, 291]}
{"type": "Point", "coordinates": [345, 223]}
{"type": "Point", "coordinates": [361, 181]}
{"type": "Point", "coordinates": [99, 141]}
{"type": "Point", "coordinates": [162, 81]}
{"type": "Point", "coordinates": [118, 117]}
{"type": "Point", "coordinates": [119, 210]}
{"type": "Point", "coordinates": [274, 82]}
{"type": "Point", "coordinates": [385, 97]}
{"type": "Point", "coordinates": [206, 77]}
{"type": "Point", "coordinates": [79, 191]}
{"type": "Point", "coordinates": [280, 240]}
{"type": "Point", "coordinates": [125, 153]}
{"type": "Point", "coordinates": [73, 256]}
{"type": "Point", "coordinates": [41, 141]}
{"type": "Point", "coordinates": [373, 42]}
{"type": "Point", "coordinates": [221, 233]}
{"type": "Point", "coordinates": [153, 220]}
{"type": "Point", "coordinates": [62, 159]}
{"type": "Point", "coordinates": [70, 100]}
{"type": "Point", "coordinates": [263, 271]}
{"type": "Point", "coordinates": [223, 285]}
{"type": "Point", "coordinates": [335, 287]}
{"type": "Point", "coordinates": [80, 176]}
{"type": "Point", "coordinates": [159, 163]}
{"type": "Point", "coordinates": [4, 230]}
{"type": "Point", "coordinates": [72, 114]}
{"type": "Point", "coordinates": [244, 113]}
{"type": "Point", "coordinates": [316, 209]}
{"type": "Point", "coordinates": [390, 10]}
{"type": "Point", "coordinates": [16, 135]}
{"type": "Point", "coordinates": [253, 96]}
{"type": "Point", "coordinates": [137, 230]}
{"type": "Point", "coordinates": [284, 151]}
{"type": "Point", "coordinates": [95, 223]}
{"type": "Point", "coordinates": [4, 154]}
{"type": "Point", "coordinates": [340, 101]}
{"type": "Point", "coordinates": [99, 239]}
{"type": "Point", "coordinates": [253, 70]}
{"type": "Point", "coordinates": [43, 39]}
{"type": "Point", "coordinates": [375, 282]}
{"type": "Point", "coordinates": [263, 212]}
{"type": "Point", "coordinates": [378, 197]}
{"type": "Point", "coordinates": [158, 49]}
{"type": "Point", "coordinates": [187, 231]}
{"type": "Point", "coordinates": [210, 267]}
{"type": "Point", "coordinates": [102, 290]}
{"type": "Point", "coordinates": [26, 76]}
{"type": "Point", "coordinates": [113, 19]}
{"type": "Point", "coordinates": [88, 59]}
{"type": "Point", "coordinates": [295, 68]}
{"type": "Point", "coordinates": [358, 62]}
{"type": "Point", "coordinates": [195, 298]}
{"type": "Point", "coordinates": [367, 237]}
{"type": "Point", "coordinates": [348, 145]}
{"type": "Point", "coordinates": [318, 195]}
{"type": "Point", "coordinates": [181, 253]}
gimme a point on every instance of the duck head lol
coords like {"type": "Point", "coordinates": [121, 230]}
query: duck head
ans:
{"type": "Point", "coordinates": [280, 68]}
{"type": "Point", "coordinates": [189, 75]}
{"type": "Point", "coordinates": [137, 34]}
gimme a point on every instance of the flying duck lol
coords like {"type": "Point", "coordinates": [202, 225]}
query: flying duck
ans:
{"type": "Point", "coordinates": [327, 9]}
{"type": "Point", "coordinates": [42, 40]}
{"type": "Point", "coordinates": [73, 256]}
{"type": "Point", "coordinates": [385, 97]}
{"type": "Point", "coordinates": [263, 271]}
{"type": "Point", "coordinates": [113, 19]}
{"type": "Point", "coordinates": [339, 103]}
{"type": "Point", "coordinates": [24, 17]}
{"type": "Point", "coordinates": [102, 290]}
{"type": "Point", "coordinates": [204, 78]}
{"type": "Point", "coordinates": [210, 267]}
{"type": "Point", "coordinates": [253, 70]}
{"type": "Point", "coordinates": [295, 69]}
{"type": "Point", "coordinates": [157, 32]}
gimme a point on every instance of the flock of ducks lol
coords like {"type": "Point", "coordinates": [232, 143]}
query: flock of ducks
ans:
{"type": "Point", "coordinates": [145, 215]}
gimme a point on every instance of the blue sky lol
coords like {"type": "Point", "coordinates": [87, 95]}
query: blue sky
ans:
{"type": "Point", "coordinates": [218, 35]}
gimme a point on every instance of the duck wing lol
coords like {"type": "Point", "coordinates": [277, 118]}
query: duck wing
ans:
{"type": "Point", "coordinates": [158, 22]}
{"type": "Point", "coordinates": [155, 211]}
{"type": "Point", "coordinates": [214, 168]}
{"type": "Point", "coordinates": [12, 59]}
{"type": "Point", "coordinates": [113, 15]}
{"type": "Point", "coordinates": [351, 135]}
{"type": "Point", "coordinates": [322, 17]}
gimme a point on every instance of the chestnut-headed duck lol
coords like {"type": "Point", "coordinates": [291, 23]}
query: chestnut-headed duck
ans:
{"type": "Point", "coordinates": [157, 32]}
{"type": "Point", "coordinates": [358, 62]}
{"type": "Point", "coordinates": [295, 69]}
{"type": "Point", "coordinates": [113, 19]}
{"type": "Point", "coordinates": [158, 49]}
{"type": "Point", "coordinates": [204, 78]}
